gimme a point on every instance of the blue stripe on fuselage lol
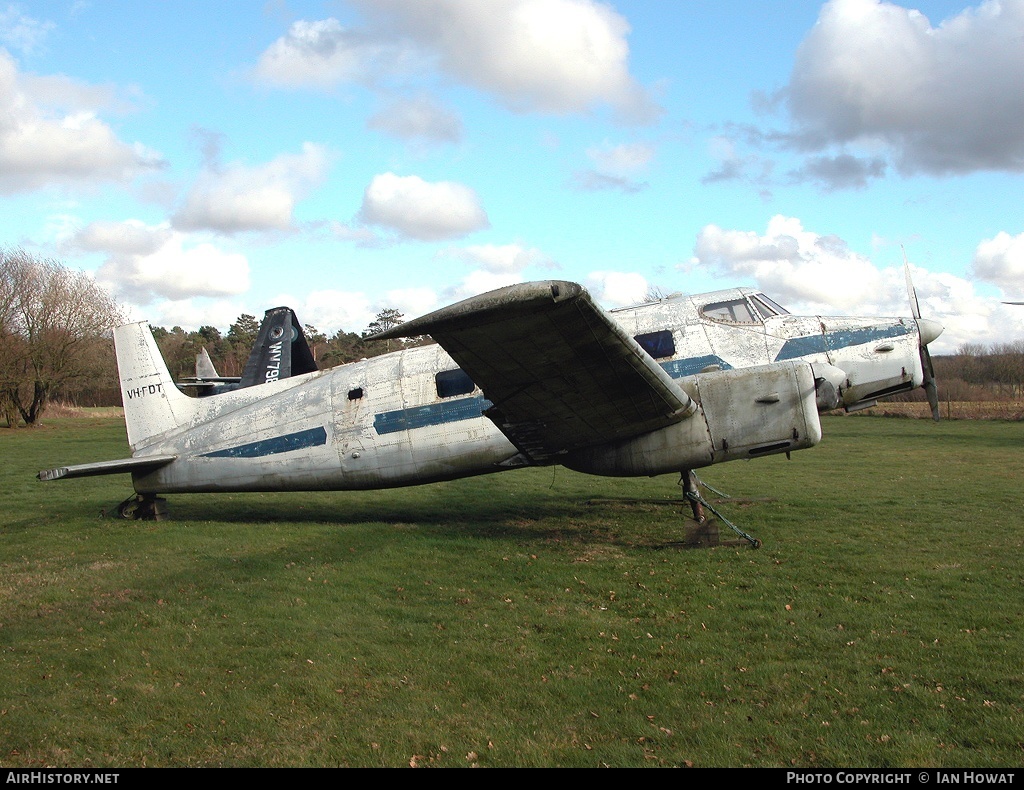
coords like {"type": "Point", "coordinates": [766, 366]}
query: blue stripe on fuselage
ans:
{"type": "Point", "coordinates": [833, 341]}
{"type": "Point", "coordinates": [456, 410]}
{"type": "Point", "coordinates": [313, 437]}
{"type": "Point", "coordinates": [677, 368]}
{"type": "Point", "coordinates": [431, 414]}
{"type": "Point", "coordinates": [470, 408]}
{"type": "Point", "coordinates": [801, 346]}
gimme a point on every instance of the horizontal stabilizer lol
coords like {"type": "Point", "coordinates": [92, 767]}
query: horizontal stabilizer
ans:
{"type": "Point", "coordinates": [144, 464]}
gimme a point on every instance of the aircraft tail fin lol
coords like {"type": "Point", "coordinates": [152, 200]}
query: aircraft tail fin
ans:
{"type": "Point", "coordinates": [281, 350]}
{"type": "Point", "coordinates": [205, 369]}
{"type": "Point", "coordinates": [153, 404]}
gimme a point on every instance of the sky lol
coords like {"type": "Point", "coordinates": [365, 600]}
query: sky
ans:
{"type": "Point", "coordinates": [204, 160]}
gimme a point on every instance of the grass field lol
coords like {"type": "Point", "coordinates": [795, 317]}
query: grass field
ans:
{"type": "Point", "coordinates": [534, 618]}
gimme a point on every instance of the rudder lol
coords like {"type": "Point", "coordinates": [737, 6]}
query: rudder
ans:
{"type": "Point", "coordinates": [153, 404]}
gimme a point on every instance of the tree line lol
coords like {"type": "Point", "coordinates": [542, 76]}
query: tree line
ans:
{"type": "Point", "coordinates": [56, 340]}
{"type": "Point", "coordinates": [55, 344]}
{"type": "Point", "coordinates": [978, 372]}
{"type": "Point", "coordinates": [229, 351]}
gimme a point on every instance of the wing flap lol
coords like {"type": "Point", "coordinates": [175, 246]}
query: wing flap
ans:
{"type": "Point", "coordinates": [144, 464]}
{"type": "Point", "coordinates": [562, 373]}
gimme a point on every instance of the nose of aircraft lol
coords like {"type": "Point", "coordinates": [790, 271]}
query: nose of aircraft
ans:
{"type": "Point", "coordinates": [929, 330]}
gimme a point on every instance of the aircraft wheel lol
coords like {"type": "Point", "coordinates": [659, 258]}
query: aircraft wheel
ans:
{"type": "Point", "coordinates": [128, 508]}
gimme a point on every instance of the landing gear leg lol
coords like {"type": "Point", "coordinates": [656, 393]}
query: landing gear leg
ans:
{"type": "Point", "coordinates": [706, 533]}
{"type": "Point", "coordinates": [688, 482]}
{"type": "Point", "coordinates": [143, 507]}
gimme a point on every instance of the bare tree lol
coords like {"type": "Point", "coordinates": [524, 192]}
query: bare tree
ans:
{"type": "Point", "coordinates": [54, 330]}
{"type": "Point", "coordinates": [655, 293]}
{"type": "Point", "coordinates": [316, 339]}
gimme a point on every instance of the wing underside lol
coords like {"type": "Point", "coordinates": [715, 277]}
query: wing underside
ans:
{"type": "Point", "coordinates": [560, 372]}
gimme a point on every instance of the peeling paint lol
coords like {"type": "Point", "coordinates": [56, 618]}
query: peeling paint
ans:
{"type": "Point", "coordinates": [562, 382]}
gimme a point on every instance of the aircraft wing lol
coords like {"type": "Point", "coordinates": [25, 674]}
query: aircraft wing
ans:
{"type": "Point", "coordinates": [561, 372]}
{"type": "Point", "coordinates": [143, 464]}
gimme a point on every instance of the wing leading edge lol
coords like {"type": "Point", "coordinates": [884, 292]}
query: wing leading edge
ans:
{"type": "Point", "coordinates": [562, 374]}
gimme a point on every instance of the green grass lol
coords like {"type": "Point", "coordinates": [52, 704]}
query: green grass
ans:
{"type": "Point", "coordinates": [509, 620]}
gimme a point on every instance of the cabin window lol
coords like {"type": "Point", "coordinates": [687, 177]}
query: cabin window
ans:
{"type": "Point", "coordinates": [355, 394]}
{"type": "Point", "coordinates": [658, 344]}
{"type": "Point", "coordinates": [733, 311]}
{"type": "Point", "coordinates": [453, 382]}
{"type": "Point", "coordinates": [767, 307]}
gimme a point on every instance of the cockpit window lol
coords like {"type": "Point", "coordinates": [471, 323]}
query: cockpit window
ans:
{"type": "Point", "coordinates": [733, 311]}
{"type": "Point", "coordinates": [767, 307]}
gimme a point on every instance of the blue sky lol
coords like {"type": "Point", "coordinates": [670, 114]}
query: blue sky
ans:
{"type": "Point", "coordinates": [205, 160]}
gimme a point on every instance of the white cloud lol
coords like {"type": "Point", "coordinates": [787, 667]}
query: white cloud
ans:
{"type": "Point", "coordinates": [792, 264]}
{"type": "Point", "coordinates": [331, 310]}
{"type": "Point", "coordinates": [481, 281]}
{"type": "Point", "coordinates": [942, 99]}
{"type": "Point", "coordinates": [616, 289]}
{"type": "Point", "coordinates": [360, 236]}
{"type": "Point", "coordinates": [966, 316]}
{"type": "Point", "coordinates": [418, 209]}
{"type": "Point", "coordinates": [497, 265]}
{"type": "Point", "coordinates": [1000, 260]}
{"type": "Point", "coordinates": [121, 238]}
{"type": "Point", "coordinates": [811, 274]}
{"type": "Point", "coordinates": [551, 56]}
{"type": "Point", "coordinates": [411, 302]}
{"type": "Point", "coordinates": [323, 53]}
{"type": "Point", "coordinates": [625, 159]}
{"type": "Point", "coordinates": [503, 258]}
{"type": "Point", "coordinates": [146, 262]}
{"type": "Point", "coordinates": [263, 197]}
{"type": "Point", "coordinates": [50, 134]}
{"type": "Point", "coordinates": [556, 56]}
{"type": "Point", "coordinates": [420, 118]}
{"type": "Point", "coordinates": [615, 167]}
{"type": "Point", "coordinates": [189, 314]}
{"type": "Point", "coordinates": [22, 32]}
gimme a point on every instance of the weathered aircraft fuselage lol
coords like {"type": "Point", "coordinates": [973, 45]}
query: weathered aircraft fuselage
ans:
{"type": "Point", "coordinates": [669, 386]}
{"type": "Point", "coordinates": [753, 373]}
{"type": "Point", "coordinates": [368, 424]}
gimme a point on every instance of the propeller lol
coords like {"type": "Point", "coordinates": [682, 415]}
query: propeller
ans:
{"type": "Point", "coordinates": [927, 331]}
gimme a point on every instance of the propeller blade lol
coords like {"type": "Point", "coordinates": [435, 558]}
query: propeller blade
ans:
{"type": "Point", "coordinates": [926, 332]}
{"type": "Point", "coordinates": [930, 387]}
{"type": "Point", "coordinates": [915, 308]}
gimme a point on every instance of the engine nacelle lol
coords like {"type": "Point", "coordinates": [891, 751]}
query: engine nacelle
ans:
{"type": "Point", "coordinates": [744, 413]}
